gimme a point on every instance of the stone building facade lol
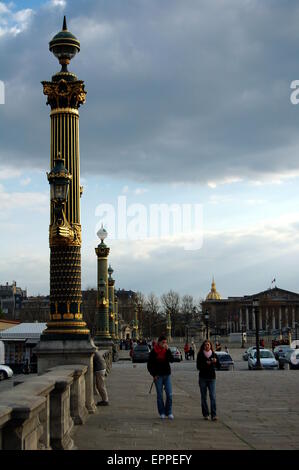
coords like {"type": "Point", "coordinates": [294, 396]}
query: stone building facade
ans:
{"type": "Point", "coordinates": [278, 311]}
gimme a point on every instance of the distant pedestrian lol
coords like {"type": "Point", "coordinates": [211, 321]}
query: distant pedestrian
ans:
{"type": "Point", "coordinates": [186, 350]}
{"type": "Point", "coordinates": [158, 366]}
{"type": "Point", "coordinates": [226, 349]}
{"type": "Point", "coordinates": [191, 353]}
{"type": "Point", "coordinates": [207, 361]}
{"type": "Point", "coordinates": [99, 367]}
{"type": "Point", "coordinates": [194, 348]}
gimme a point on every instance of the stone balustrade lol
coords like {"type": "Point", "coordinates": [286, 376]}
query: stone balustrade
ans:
{"type": "Point", "coordinates": [40, 412]}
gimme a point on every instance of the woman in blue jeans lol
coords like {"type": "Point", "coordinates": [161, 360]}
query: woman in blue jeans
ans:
{"type": "Point", "coordinates": [159, 367]}
{"type": "Point", "coordinates": [206, 363]}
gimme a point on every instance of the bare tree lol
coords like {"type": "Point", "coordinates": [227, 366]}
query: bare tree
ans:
{"type": "Point", "coordinates": [171, 304]}
{"type": "Point", "coordinates": [187, 312]}
{"type": "Point", "coordinates": [152, 316]}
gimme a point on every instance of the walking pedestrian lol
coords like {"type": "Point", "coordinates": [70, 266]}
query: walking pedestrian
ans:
{"type": "Point", "coordinates": [207, 361]}
{"type": "Point", "coordinates": [158, 366]}
{"type": "Point", "coordinates": [186, 350]}
{"type": "Point", "coordinates": [194, 348]}
{"type": "Point", "coordinates": [99, 368]}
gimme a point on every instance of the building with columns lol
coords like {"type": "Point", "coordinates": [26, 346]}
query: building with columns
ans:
{"type": "Point", "coordinates": [279, 309]}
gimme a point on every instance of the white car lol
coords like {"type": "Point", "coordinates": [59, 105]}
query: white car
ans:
{"type": "Point", "coordinates": [5, 372]}
{"type": "Point", "coordinates": [267, 358]}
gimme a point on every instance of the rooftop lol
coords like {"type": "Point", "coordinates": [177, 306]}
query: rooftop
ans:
{"type": "Point", "coordinates": [24, 331]}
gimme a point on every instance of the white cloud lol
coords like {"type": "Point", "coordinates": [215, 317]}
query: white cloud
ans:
{"type": "Point", "coordinates": [25, 181]}
{"type": "Point", "coordinates": [139, 191]}
{"type": "Point", "coordinates": [26, 200]}
{"type": "Point", "coordinates": [14, 22]}
{"type": "Point", "coordinates": [58, 3]}
{"type": "Point", "coordinates": [8, 173]}
{"type": "Point", "coordinates": [229, 180]}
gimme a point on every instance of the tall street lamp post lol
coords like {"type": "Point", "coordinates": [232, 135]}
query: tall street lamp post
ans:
{"type": "Point", "coordinates": [135, 323]}
{"type": "Point", "coordinates": [168, 327]}
{"type": "Point", "coordinates": [207, 316]}
{"type": "Point", "coordinates": [66, 340]}
{"type": "Point", "coordinates": [111, 283]}
{"type": "Point", "coordinates": [103, 336]}
{"type": "Point", "coordinates": [255, 305]}
{"type": "Point", "coordinates": [243, 331]}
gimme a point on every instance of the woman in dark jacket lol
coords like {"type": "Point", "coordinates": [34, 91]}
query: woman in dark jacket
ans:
{"type": "Point", "coordinates": [159, 367]}
{"type": "Point", "coordinates": [206, 363]}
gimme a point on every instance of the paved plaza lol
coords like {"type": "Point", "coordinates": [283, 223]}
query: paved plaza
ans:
{"type": "Point", "coordinates": [256, 410]}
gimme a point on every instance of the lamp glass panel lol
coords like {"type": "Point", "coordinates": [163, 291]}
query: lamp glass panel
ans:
{"type": "Point", "coordinates": [60, 191]}
{"type": "Point", "coordinates": [52, 192]}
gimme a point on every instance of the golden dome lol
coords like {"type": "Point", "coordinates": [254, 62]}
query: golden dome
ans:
{"type": "Point", "coordinates": [213, 294]}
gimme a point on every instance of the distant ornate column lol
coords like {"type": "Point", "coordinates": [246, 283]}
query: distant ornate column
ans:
{"type": "Point", "coordinates": [286, 316]}
{"type": "Point", "coordinates": [293, 317]}
{"type": "Point", "coordinates": [240, 320]}
{"type": "Point", "coordinates": [116, 316]}
{"type": "Point", "coordinates": [273, 319]}
{"type": "Point", "coordinates": [253, 319]}
{"type": "Point", "coordinates": [247, 319]}
{"type": "Point", "coordinates": [135, 333]}
{"type": "Point", "coordinates": [260, 319]}
{"type": "Point", "coordinates": [111, 283]}
{"type": "Point", "coordinates": [267, 319]}
{"type": "Point", "coordinates": [102, 315]}
{"type": "Point", "coordinates": [168, 327]}
{"type": "Point", "coordinates": [279, 319]}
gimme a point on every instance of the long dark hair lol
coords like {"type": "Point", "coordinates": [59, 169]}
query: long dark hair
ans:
{"type": "Point", "coordinates": [203, 345]}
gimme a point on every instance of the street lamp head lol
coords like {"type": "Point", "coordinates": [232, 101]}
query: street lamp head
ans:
{"type": "Point", "coordinates": [59, 179]}
{"type": "Point", "coordinates": [64, 45]}
{"type": "Point", "coordinates": [110, 271]}
{"type": "Point", "coordinates": [102, 234]}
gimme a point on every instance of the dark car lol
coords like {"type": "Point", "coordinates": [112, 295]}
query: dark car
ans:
{"type": "Point", "coordinates": [281, 350]}
{"type": "Point", "coordinates": [290, 360]}
{"type": "Point", "coordinates": [176, 354]}
{"type": "Point", "coordinates": [140, 353]}
{"type": "Point", "coordinates": [225, 361]}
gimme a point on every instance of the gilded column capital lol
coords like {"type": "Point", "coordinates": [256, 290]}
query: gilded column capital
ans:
{"type": "Point", "coordinates": [65, 94]}
{"type": "Point", "coordinates": [102, 250]}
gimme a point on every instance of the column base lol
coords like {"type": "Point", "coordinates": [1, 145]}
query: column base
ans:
{"type": "Point", "coordinates": [52, 353]}
{"type": "Point", "coordinates": [103, 343]}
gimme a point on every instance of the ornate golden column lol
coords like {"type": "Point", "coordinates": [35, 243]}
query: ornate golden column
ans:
{"type": "Point", "coordinates": [102, 315]}
{"type": "Point", "coordinates": [66, 339]}
{"type": "Point", "coordinates": [65, 95]}
{"type": "Point", "coordinates": [116, 317]}
{"type": "Point", "coordinates": [111, 283]}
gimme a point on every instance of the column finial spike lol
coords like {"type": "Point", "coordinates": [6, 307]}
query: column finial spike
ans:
{"type": "Point", "coordinates": [64, 26]}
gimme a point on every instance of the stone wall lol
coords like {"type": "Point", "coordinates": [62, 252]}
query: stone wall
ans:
{"type": "Point", "coordinates": [41, 412]}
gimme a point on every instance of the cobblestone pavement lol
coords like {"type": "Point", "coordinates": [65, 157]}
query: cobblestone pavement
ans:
{"type": "Point", "coordinates": [256, 409]}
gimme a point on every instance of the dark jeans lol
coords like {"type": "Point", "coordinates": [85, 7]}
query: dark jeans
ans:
{"type": "Point", "coordinates": [204, 385]}
{"type": "Point", "coordinates": [164, 381]}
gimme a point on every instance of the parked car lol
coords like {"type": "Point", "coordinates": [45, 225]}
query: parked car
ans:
{"type": "Point", "coordinates": [225, 361]}
{"type": "Point", "coordinates": [279, 351]}
{"type": "Point", "coordinates": [5, 372]}
{"type": "Point", "coordinates": [176, 354]}
{"type": "Point", "coordinates": [140, 353]}
{"type": "Point", "coordinates": [290, 360]}
{"type": "Point", "coordinates": [248, 351]}
{"type": "Point", "coordinates": [267, 358]}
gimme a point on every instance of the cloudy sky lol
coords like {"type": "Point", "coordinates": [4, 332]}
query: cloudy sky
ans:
{"type": "Point", "coordinates": [188, 103]}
